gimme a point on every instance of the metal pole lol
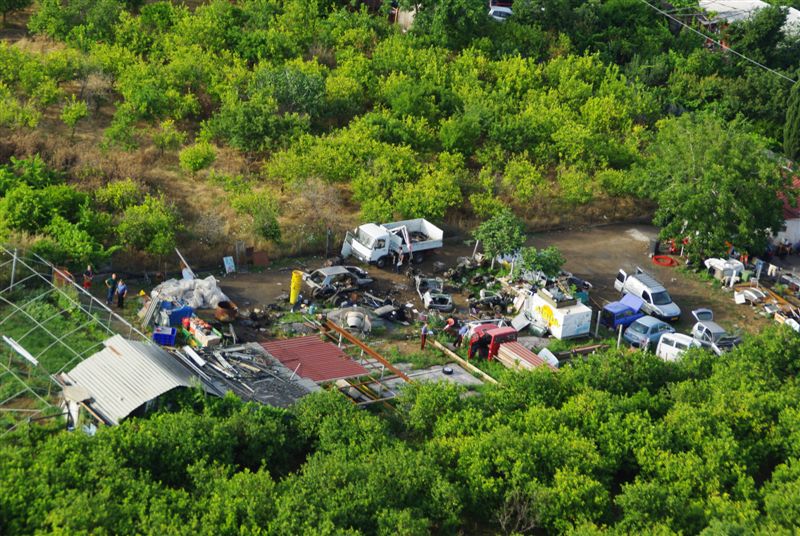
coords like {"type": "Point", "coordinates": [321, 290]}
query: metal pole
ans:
{"type": "Point", "coordinates": [597, 325]}
{"type": "Point", "coordinates": [619, 337]}
{"type": "Point", "coordinates": [13, 268]}
{"type": "Point", "coordinates": [475, 249]}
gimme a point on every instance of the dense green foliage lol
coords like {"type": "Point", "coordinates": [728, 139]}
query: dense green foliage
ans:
{"type": "Point", "coordinates": [622, 443]}
{"type": "Point", "coordinates": [791, 133]}
{"type": "Point", "coordinates": [502, 234]}
{"type": "Point", "coordinates": [550, 109]}
{"type": "Point", "coordinates": [714, 183]}
{"type": "Point", "coordinates": [75, 227]}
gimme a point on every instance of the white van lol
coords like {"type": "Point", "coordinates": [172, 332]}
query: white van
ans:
{"type": "Point", "coordinates": [657, 301]}
{"type": "Point", "coordinates": [671, 346]}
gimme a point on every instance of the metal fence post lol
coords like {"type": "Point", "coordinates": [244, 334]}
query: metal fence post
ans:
{"type": "Point", "coordinates": [13, 269]}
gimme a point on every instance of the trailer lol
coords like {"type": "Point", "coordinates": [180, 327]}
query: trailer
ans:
{"type": "Point", "coordinates": [376, 243]}
{"type": "Point", "coordinates": [565, 316]}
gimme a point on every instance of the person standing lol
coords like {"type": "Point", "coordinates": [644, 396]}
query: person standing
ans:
{"type": "Point", "coordinates": [122, 291]}
{"type": "Point", "coordinates": [461, 334]}
{"type": "Point", "coordinates": [111, 288]}
{"type": "Point", "coordinates": [400, 258]}
{"type": "Point", "coordinates": [423, 335]}
{"type": "Point", "coordinates": [88, 275]}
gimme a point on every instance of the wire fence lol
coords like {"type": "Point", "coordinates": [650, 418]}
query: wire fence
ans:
{"type": "Point", "coordinates": [48, 324]}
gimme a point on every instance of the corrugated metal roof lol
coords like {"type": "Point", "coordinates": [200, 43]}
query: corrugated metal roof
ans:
{"type": "Point", "coordinates": [126, 374]}
{"type": "Point", "coordinates": [317, 360]}
{"type": "Point", "coordinates": [523, 354]}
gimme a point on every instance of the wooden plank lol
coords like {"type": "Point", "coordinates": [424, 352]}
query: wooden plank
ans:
{"type": "Point", "coordinates": [463, 362]}
{"type": "Point", "coordinates": [372, 353]}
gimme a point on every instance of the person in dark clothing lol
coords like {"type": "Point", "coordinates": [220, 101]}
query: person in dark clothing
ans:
{"type": "Point", "coordinates": [88, 275]}
{"type": "Point", "coordinates": [111, 288]}
{"type": "Point", "coordinates": [122, 291]}
{"type": "Point", "coordinates": [423, 335]}
{"type": "Point", "coordinates": [461, 334]}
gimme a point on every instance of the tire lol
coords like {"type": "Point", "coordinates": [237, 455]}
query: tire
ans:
{"type": "Point", "coordinates": [418, 258]}
{"type": "Point", "coordinates": [381, 262]}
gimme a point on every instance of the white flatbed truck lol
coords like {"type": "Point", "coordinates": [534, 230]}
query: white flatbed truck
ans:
{"type": "Point", "coordinates": [373, 243]}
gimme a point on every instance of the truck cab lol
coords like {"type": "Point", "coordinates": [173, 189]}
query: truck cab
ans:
{"type": "Point", "coordinates": [371, 244]}
{"type": "Point", "coordinates": [622, 313]}
{"type": "Point", "coordinates": [487, 338]}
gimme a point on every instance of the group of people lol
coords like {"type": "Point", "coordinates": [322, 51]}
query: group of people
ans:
{"type": "Point", "coordinates": [114, 287]}
{"type": "Point", "coordinates": [452, 326]}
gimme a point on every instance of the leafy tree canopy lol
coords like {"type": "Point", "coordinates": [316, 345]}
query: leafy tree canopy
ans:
{"type": "Point", "coordinates": [715, 182]}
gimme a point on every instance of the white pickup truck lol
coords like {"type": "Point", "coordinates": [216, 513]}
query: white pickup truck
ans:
{"type": "Point", "coordinates": [375, 243]}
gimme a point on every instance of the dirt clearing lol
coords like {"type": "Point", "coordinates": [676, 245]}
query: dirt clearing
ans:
{"type": "Point", "coordinates": [593, 254]}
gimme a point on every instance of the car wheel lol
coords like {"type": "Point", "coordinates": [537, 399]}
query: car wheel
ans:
{"type": "Point", "coordinates": [418, 258]}
{"type": "Point", "coordinates": [381, 262]}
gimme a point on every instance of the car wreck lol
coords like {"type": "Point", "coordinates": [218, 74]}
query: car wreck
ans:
{"type": "Point", "coordinates": [334, 280]}
{"type": "Point", "coordinates": [431, 292]}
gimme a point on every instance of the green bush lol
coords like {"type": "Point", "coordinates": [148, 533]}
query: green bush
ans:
{"type": "Point", "coordinates": [196, 157]}
{"type": "Point", "coordinates": [116, 196]}
{"type": "Point", "coordinates": [150, 227]}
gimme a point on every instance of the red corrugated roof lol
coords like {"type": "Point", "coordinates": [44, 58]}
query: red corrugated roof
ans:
{"type": "Point", "coordinates": [319, 361]}
{"type": "Point", "coordinates": [523, 353]}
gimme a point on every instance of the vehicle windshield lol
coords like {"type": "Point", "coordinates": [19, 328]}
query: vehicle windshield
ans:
{"type": "Point", "coordinates": [661, 298]}
{"type": "Point", "coordinates": [364, 239]}
{"type": "Point", "coordinates": [317, 277]}
{"type": "Point", "coordinates": [636, 327]}
{"type": "Point", "coordinates": [502, 14]}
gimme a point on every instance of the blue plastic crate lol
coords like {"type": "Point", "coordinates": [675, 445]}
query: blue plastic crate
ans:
{"type": "Point", "coordinates": [165, 336]}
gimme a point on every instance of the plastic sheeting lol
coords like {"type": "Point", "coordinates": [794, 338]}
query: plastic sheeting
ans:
{"type": "Point", "coordinates": [196, 293]}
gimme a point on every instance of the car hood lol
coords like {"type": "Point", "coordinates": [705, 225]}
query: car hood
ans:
{"type": "Point", "coordinates": [669, 310]}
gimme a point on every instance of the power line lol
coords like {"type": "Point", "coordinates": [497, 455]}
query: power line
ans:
{"type": "Point", "coordinates": [704, 36]}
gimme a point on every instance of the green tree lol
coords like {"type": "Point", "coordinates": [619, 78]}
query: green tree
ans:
{"type": "Point", "coordinates": [502, 234]}
{"type": "Point", "coordinates": [10, 6]}
{"type": "Point", "coordinates": [150, 227]}
{"type": "Point", "coordinates": [791, 129]}
{"type": "Point", "coordinates": [548, 260]}
{"type": "Point", "coordinates": [116, 196]}
{"type": "Point", "coordinates": [72, 112]}
{"type": "Point", "coordinates": [69, 243]}
{"type": "Point", "coordinates": [168, 137]}
{"type": "Point", "coordinates": [27, 209]}
{"type": "Point", "coordinates": [262, 211]}
{"type": "Point", "coordinates": [714, 182]}
{"type": "Point", "coordinates": [436, 191]}
{"type": "Point", "coordinates": [121, 132]}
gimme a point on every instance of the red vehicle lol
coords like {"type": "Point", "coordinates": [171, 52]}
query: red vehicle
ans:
{"type": "Point", "coordinates": [487, 338]}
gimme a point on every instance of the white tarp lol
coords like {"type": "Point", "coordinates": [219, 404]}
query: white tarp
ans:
{"type": "Point", "coordinates": [196, 293]}
{"type": "Point", "coordinates": [739, 10]}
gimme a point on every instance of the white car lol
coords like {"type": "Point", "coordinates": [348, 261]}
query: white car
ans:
{"type": "Point", "coordinates": [672, 346]}
{"type": "Point", "coordinates": [710, 334]}
{"type": "Point", "coordinates": [500, 13]}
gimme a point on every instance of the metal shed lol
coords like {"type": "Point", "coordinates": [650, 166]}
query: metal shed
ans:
{"type": "Point", "coordinates": [126, 374]}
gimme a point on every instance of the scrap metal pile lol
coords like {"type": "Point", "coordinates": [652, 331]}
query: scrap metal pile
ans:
{"type": "Point", "coordinates": [248, 371]}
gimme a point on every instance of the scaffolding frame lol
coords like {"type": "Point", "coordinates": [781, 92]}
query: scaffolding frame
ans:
{"type": "Point", "coordinates": [27, 384]}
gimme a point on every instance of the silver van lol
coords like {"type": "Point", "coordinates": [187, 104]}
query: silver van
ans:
{"type": "Point", "coordinates": [657, 301]}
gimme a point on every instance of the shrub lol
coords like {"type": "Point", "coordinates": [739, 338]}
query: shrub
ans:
{"type": "Point", "coordinates": [149, 227]}
{"type": "Point", "coordinates": [168, 137]}
{"type": "Point", "coordinates": [198, 156]}
{"type": "Point", "coordinates": [116, 196]}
